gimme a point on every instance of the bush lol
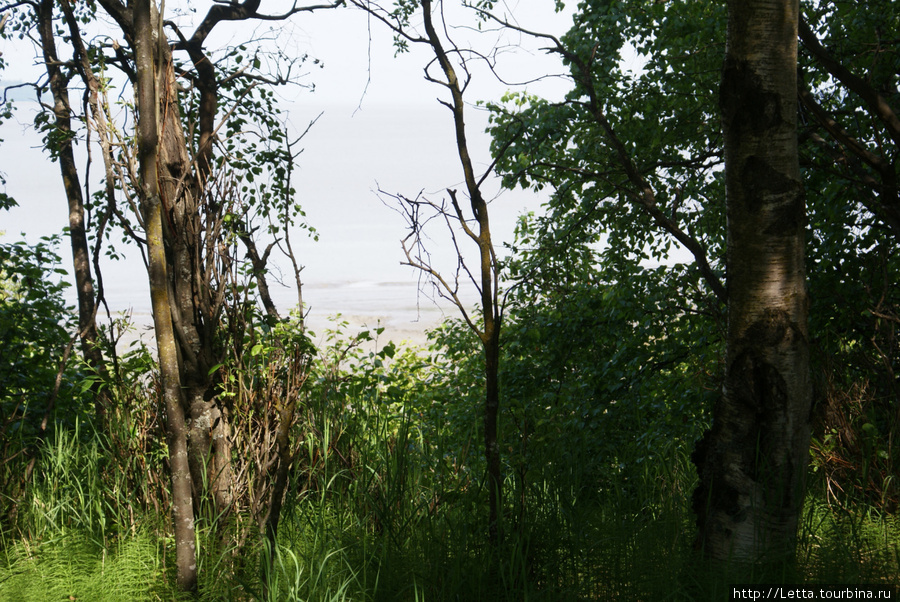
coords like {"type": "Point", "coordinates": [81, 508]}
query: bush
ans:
{"type": "Point", "coordinates": [34, 320]}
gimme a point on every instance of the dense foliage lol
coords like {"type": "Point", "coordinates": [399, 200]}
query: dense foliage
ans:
{"type": "Point", "coordinates": [38, 391]}
{"type": "Point", "coordinates": [356, 467]}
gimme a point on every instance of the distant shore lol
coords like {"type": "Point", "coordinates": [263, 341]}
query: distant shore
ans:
{"type": "Point", "coordinates": [363, 306]}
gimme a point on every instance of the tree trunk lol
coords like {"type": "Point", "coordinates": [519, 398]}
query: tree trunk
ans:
{"type": "Point", "coordinates": [753, 461]}
{"type": "Point", "coordinates": [147, 45]}
{"type": "Point", "coordinates": [84, 282]}
{"type": "Point", "coordinates": [488, 284]}
{"type": "Point", "coordinates": [491, 444]}
{"type": "Point", "coordinates": [191, 229]}
{"type": "Point", "coordinates": [196, 300]}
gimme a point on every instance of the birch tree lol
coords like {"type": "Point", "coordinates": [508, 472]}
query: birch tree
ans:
{"type": "Point", "coordinates": [753, 461]}
{"type": "Point", "coordinates": [192, 205]}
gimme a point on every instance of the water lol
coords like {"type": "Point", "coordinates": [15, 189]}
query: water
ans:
{"type": "Point", "coordinates": [401, 140]}
{"type": "Point", "coordinates": [355, 267]}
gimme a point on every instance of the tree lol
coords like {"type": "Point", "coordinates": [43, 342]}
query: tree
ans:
{"type": "Point", "coordinates": [454, 77]}
{"type": "Point", "coordinates": [60, 142]}
{"type": "Point", "coordinates": [625, 190]}
{"type": "Point", "coordinates": [838, 44]}
{"type": "Point", "coordinates": [848, 156]}
{"type": "Point", "coordinates": [614, 171]}
{"type": "Point", "coordinates": [753, 461]}
{"type": "Point", "coordinates": [206, 202]}
{"type": "Point", "coordinates": [148, 54]}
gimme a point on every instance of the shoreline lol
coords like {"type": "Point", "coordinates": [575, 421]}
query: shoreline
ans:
{"type": "Point", "coordinates": [395, 306]}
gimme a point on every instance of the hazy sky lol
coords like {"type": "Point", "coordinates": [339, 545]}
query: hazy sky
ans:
{"type": "Point", "coordinates": [381, 126]}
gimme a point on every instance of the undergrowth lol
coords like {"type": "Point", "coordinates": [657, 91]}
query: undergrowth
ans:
{"type": "Point", "coordinates": [345, 541]}
{"type": "Point", "coordinates": [387, 503]}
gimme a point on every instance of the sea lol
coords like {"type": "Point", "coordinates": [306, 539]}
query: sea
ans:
{"type": "Point", "coordinates": [356, 160]}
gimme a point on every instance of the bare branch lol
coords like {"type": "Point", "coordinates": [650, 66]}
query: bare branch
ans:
{"type": "Point", "coordinates": [391, 20]}
{"type": "Point", "coordinates": [244, 11]}
{"type": "Point", "coordinates": [460, 216]}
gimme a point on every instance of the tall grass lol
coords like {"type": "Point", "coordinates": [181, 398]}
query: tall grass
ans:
{"type": "Point", "coordinates": [382, 508]}
{"type": "Point", "coordinates": [77, 536]}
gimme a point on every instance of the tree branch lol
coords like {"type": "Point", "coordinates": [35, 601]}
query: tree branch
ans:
{"type": "Point", "coordinates": [242, 12]}
{"type": "Point", "coordinates": [878, 106]}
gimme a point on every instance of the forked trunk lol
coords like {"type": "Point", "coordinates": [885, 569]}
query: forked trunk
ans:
{"type": "Point", "coordinates": [196, 301]}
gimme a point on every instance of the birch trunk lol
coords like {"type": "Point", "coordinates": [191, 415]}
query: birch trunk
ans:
{"type": "Point", "coordinates": [753, 462]}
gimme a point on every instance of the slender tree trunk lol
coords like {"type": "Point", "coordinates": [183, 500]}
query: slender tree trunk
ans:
{"type": "Point", "coordinates": [147, 44]}
{"type": "Point", "coordinates": [84, 282]}
{"type": "Point", "coordinates": [491, 444]}
{"type": "Point", "coordinates": [753, 462]}
{"type": "Point", "coordinates": [490, 307]}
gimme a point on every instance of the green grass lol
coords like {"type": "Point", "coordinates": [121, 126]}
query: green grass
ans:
{"type": "Point", "coordinates": [384, 521]}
